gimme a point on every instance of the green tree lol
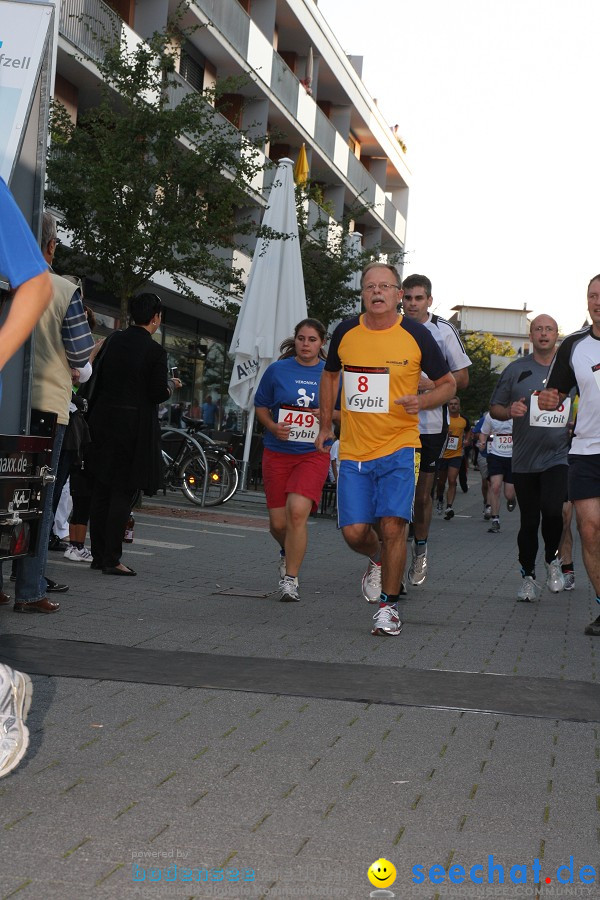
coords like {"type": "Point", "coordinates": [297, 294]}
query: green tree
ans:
{"type": "Point", "coordinates": [482, 379]}
{"type": "Point", "coordinates": [329, 261]}
{"type": "Point", "coordinates": [148, 182]}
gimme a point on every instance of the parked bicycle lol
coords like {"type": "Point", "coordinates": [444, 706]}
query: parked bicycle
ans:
{"type": "Point", "coordinates": [205, 472]}
{"type": "Point", "coordinates": [223, 466]}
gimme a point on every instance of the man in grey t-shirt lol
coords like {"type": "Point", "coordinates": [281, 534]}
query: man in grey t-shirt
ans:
{"type": "Point", "coordinates": [539, 460]}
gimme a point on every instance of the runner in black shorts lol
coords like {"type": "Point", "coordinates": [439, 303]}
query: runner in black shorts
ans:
{"type": "Point", "coordinates": [539, 456]}
{"type": "Point", "coordinates": [499, 458]}
{"type": "Point", "coordinates": [433, 423]}
{"type": "Point", "coordinates": [578, 363]}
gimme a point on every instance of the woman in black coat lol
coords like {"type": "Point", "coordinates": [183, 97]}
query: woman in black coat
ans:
{"type": "Point", "coordinates": [125, 455]}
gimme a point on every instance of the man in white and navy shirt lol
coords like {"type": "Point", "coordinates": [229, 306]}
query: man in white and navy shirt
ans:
{"type": "Point", "coordinates": [433, 423]}
{"type": "Point", "coordinates": [577, 363]}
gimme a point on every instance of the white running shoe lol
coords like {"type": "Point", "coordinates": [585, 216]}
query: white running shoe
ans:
{"type": "Point", "coordinates": [371, 583]}
{"type": "Point", "coordinates": [530, 590]}
{"type": "Point", "coordinates": [487, 513]}
{"type": "Point", "coordinates": [417, 571]}
{"type": "Point", "coordinates": [281, 565]}
{"type": "Point", "coordinates": [76, 555]}
{"type": "Point", "coordinates": [289, 590]}
{"type": "Point", "coordinates": [554, 577]}
{"type": "Point", "coordinates": [16, 692]}
{"type": "Point", "coordinates": [569, 578]}
{"type": "Point", "coordinates": [387, 621]}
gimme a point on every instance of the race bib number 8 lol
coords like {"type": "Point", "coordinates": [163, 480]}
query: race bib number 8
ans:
{"type": "Point", "coordinates": [541, 418]}
{"type": "Point", "coordinates": [304, 423]}
{"type": "Point", "coordinates": [452, 443]}
{"type": "Point", "coordinates": [367, 390]}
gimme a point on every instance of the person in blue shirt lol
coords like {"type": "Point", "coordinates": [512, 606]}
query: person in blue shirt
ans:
{"type": "Point", "coordinates": [25, 270]}
{"type": "Point", "coordinates": [24, 267]}
{"type": "Point", "coordinates": [209, 412]}
{"type": "Point", "coordinates": [294, 472]}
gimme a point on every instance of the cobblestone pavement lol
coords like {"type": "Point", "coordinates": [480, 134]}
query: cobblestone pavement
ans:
{"type": "Point", "coordinates": [235, 794]}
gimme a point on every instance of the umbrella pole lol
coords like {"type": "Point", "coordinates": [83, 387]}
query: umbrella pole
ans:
{"type": "Point", "coordinates": [247, 446]}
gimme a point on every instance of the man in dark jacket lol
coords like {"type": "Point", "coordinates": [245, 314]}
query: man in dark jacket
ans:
{"type": "Point", "coordinates": [131, 380]}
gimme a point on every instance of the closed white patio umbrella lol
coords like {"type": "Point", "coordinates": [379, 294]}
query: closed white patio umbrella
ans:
{"type": "Point", "coordinates": [274, 299]}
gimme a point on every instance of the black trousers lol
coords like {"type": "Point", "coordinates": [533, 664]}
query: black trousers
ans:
{"type": "Point", "coordinates": [109, 511]}
{"type": "Point", "coordinates": [540, 495]}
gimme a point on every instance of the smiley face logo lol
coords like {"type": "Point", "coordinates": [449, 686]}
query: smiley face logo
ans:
{"type": "Point", "coordinates": [381, 873]}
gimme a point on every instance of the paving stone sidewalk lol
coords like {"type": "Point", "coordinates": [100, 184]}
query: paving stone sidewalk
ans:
{"type": "Point", "coordinates": [297, 796]}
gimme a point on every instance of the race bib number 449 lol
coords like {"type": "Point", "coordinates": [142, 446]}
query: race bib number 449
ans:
{"type": "Point", "coordinates": [304, 423]}
{"type": "Point", "coordinates": [367, 390]}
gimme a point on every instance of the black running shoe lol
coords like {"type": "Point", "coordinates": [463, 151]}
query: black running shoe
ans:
{"type": "Point", "coordinates": [593, 628]}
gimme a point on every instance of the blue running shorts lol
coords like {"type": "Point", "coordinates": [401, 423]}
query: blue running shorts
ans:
{"type": "Point", "coordinates": [376, 488]}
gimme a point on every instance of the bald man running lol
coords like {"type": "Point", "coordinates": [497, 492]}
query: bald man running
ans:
{"type": "Point", "coordinates": [539, 460]}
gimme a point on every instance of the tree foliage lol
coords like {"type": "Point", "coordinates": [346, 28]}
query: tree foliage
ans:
{"type": "Point", "coordinates": [146, 182]}
{"type": "Point", "coordinates": [480, 346]}
{"type": "Point", "coordinates": [330, 262]}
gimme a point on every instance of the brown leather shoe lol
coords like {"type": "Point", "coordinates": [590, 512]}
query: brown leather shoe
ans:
{"type": "Point", "coordinates": [40, 606]}
{"type": "Point", "coordinates": [4, 598]}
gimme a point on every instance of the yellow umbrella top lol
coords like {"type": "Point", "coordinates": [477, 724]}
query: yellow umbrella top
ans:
{"type": "Point", "coordinates": [301, 167]}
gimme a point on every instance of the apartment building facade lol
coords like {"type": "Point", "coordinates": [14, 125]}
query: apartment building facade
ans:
{"type": "Point", "coordinates": [504, 323]}
{"type": "Point", "coordinates": [299, 86]}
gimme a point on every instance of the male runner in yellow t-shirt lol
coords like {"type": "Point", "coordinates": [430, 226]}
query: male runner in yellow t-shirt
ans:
{"type": "Point", "coordinates": [381, 355]}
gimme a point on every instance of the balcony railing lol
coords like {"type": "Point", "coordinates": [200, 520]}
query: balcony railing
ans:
{"type": "Point", "coordinates": [90, 25]}
{"type": "Point", "coordinates": [178, 88]}
{"type": "Point", "coordinates": [231, 20]}
{"type": "Point", "coordinates": [285, 84]}
{"type": "Point", "coordinates": [362, 181]}
{"type": "Point", "coordinates": [324, 134]}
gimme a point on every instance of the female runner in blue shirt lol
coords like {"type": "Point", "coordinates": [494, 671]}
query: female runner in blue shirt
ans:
{"type": "Point", "coordinates": [294, 472]}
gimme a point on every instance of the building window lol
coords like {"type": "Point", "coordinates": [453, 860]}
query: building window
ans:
{"type": "Point", "coordinates": [191, 70]}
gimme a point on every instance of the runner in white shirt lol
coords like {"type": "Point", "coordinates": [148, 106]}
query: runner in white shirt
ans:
{"type": "Point", "coordinates": [433, 423]}
{"type": "Point", "coordinates": [578, 363]}
{"type": "Point", "coordinates": [498, 436]}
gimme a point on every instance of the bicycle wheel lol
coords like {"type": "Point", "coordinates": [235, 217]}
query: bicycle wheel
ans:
{"type": "Point", "coordinates": [222, 478]}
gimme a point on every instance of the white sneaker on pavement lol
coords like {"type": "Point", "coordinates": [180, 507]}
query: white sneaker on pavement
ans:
{"type": "Point", "coordinates": [371, 583]}
{"type": "Point", "coordinates": [77, 555]}
{"type": "Point", "coordinates": [16, 692]}
{"type": "Point", "coordinates": [387, 621]}
{"type": "Point", "coordinates": [530, 590]}
{"type": "Point", "coordinates": [288, 587]}
{"type": "Point", "coordinates": [417, 571]}
{"type": "Point", "coordinates": [555, 579]}
{"type": "Point", "coordinates": [569, 578]}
